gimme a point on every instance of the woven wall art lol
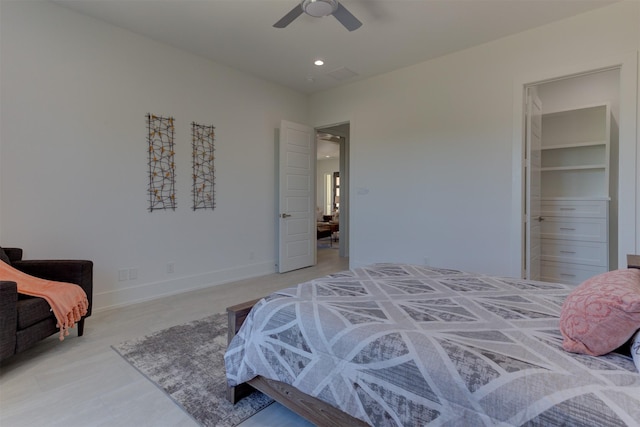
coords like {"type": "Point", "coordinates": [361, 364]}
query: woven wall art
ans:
{"type": "Point", "coordinates": [203, 138]}
{"type": "Point", "coordinates": [162, 167]}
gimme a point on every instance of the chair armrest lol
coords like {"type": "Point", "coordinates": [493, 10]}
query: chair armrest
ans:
{"type": "Point", "coordinates": [79, 272]}
{"type": "Point", "coordinates": [8, 318]}
{"type": "Point", "coordinates": [14, 254]}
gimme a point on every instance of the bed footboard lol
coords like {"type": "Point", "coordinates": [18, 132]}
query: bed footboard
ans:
{"type": "Point", "coordinates": [236, 316]}
{"type": "Point", "coordinates": [308, 407]}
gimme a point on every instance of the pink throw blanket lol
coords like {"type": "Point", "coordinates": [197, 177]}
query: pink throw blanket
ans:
{"type": "Point", "coordinates": [68, 301]}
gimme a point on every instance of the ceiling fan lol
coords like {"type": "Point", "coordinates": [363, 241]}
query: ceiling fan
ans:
{"type": "Point", "coordinates": [320, 8]}
{"type": "Point", "coordinates": [329, 137]}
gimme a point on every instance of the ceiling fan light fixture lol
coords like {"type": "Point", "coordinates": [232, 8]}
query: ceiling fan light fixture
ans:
{"type": "Point", "coordinates": [319, 8]}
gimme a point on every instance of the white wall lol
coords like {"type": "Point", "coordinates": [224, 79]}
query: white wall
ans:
{"type": "Point", "coordinates": [432, 145]}
{"type": "Point", "coordinates": [589, 89]}
{"type": "Point", "coordinates": [432, 149]}
{"type": "Point", "coordinates": [73, 171]}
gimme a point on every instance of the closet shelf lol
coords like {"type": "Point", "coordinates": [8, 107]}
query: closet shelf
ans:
{"type": "Point", "coordinates": [574, 145]}
{"type": "Point", "coordinates": [573, 168]}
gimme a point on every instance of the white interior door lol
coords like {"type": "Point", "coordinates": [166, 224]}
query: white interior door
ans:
{"type": "Point", "coordinates": [533, 163]}
{"type": "Point", "coordinates": [297, 165]}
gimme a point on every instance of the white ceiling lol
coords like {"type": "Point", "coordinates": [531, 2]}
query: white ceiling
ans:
{"type": "Point", "coordinates": [394, 34]}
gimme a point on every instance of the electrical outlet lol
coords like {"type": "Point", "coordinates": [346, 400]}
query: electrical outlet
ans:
{"type": "Point", "coordinates": [133, 273]}
{"type": "Point", "coordinates": [426, 261]}
{"type": "Point", "coordinates": [123, 275]}
{"type": "Point", "coordinates": [170, 268]}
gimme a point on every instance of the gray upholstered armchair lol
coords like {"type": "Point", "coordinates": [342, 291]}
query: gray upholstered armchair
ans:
{"type": "Point", "coordinates": [26, 320]}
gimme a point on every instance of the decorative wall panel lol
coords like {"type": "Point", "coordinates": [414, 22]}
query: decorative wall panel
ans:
{"type": "Point", "coordinates": [162, 168]}
{"type": "Point", "coordinates": [203, 138]}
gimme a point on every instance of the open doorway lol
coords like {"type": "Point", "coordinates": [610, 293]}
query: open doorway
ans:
{"type": "Point", "coordinates": [332, 187]}
{"type": "Point", "coordinates": [571, 203]}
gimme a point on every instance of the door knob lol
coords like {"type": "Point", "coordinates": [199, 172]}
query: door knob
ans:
{"type": "Point", "coordinates": [284, 215]}
{"type": "Point", "coordinates": [540, 219]}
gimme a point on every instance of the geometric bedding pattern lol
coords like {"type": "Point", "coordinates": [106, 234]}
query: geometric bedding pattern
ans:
{"type": "Point", "coordinates": [405, 345]}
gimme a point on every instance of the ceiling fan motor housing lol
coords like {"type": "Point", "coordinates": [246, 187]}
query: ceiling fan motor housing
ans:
{"type": "Point", "coordinates": [319, 8]}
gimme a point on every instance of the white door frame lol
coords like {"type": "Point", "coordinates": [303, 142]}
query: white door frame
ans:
{"type": "Point", "coordinates": [629, 153]}
{"type": "Point", "coordinates": [344, 184]}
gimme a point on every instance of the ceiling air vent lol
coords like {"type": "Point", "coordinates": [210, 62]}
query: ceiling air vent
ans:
{"type": "Point", "coordinates": [342, 73]}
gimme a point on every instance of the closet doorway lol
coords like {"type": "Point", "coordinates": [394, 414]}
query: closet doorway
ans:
{"type": "Point", "coordinates": [571, 170]}
{"type": "Point", "coordinates": [332, 187]}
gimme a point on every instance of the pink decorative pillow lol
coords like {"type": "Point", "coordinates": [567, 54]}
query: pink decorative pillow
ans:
{"type": "Point", "coordinates": [602, 313]}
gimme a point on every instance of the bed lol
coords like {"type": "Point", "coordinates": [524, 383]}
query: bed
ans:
{"type": "Point", "coordinates": [406, 345]}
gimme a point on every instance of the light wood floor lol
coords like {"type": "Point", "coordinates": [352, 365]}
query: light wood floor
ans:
{"type": "Point", "coordinates": [83, 382]}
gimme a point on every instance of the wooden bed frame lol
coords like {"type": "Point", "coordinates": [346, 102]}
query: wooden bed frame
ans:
{"type": "Point", "coordinates": [308, 407]}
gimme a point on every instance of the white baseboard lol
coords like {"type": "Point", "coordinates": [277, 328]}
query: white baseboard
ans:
{"type": "Point", "coordinates": [150, 291]}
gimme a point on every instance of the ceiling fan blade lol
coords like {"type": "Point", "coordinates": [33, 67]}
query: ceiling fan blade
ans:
{"type": "Point", "coordinates": [345, 17]}
{"type": "Point", "coordinates": [289, 17]}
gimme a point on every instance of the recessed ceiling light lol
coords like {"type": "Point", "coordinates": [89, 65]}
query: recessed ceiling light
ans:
{"type": "Point", "coordinates": [318, 62]}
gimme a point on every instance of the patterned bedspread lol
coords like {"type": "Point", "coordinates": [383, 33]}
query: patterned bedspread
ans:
{"type": "Point", "coordinates": [395, 344]}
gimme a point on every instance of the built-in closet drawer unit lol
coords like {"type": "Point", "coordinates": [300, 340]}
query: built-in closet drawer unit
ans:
{"type": "Point", "coordinates": [576, 193]}
{"type": "Point", "coordinates": [591, 253]}
{"type": "Point", "coordinates": [588, 229]}
{"type": "Point", "coordinates": [572, 274]}
{"type": "Point", "coordinates": [574, 239]}
{"type": "Point", "coordinates": [574, 208]}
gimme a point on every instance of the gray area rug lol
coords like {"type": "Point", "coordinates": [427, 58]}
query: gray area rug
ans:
{"type": "Point", "coordinates": [187, 363]}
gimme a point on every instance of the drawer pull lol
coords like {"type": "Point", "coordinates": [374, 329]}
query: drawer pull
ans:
{"type": "Point", "coordinates": [567, 252]}
{"type": "Point", "coordinates": [567, 229]}
{"type": "Point", "coordinates": [567, 209]}
{"type": "Point", "coordinates": [567, 275]}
